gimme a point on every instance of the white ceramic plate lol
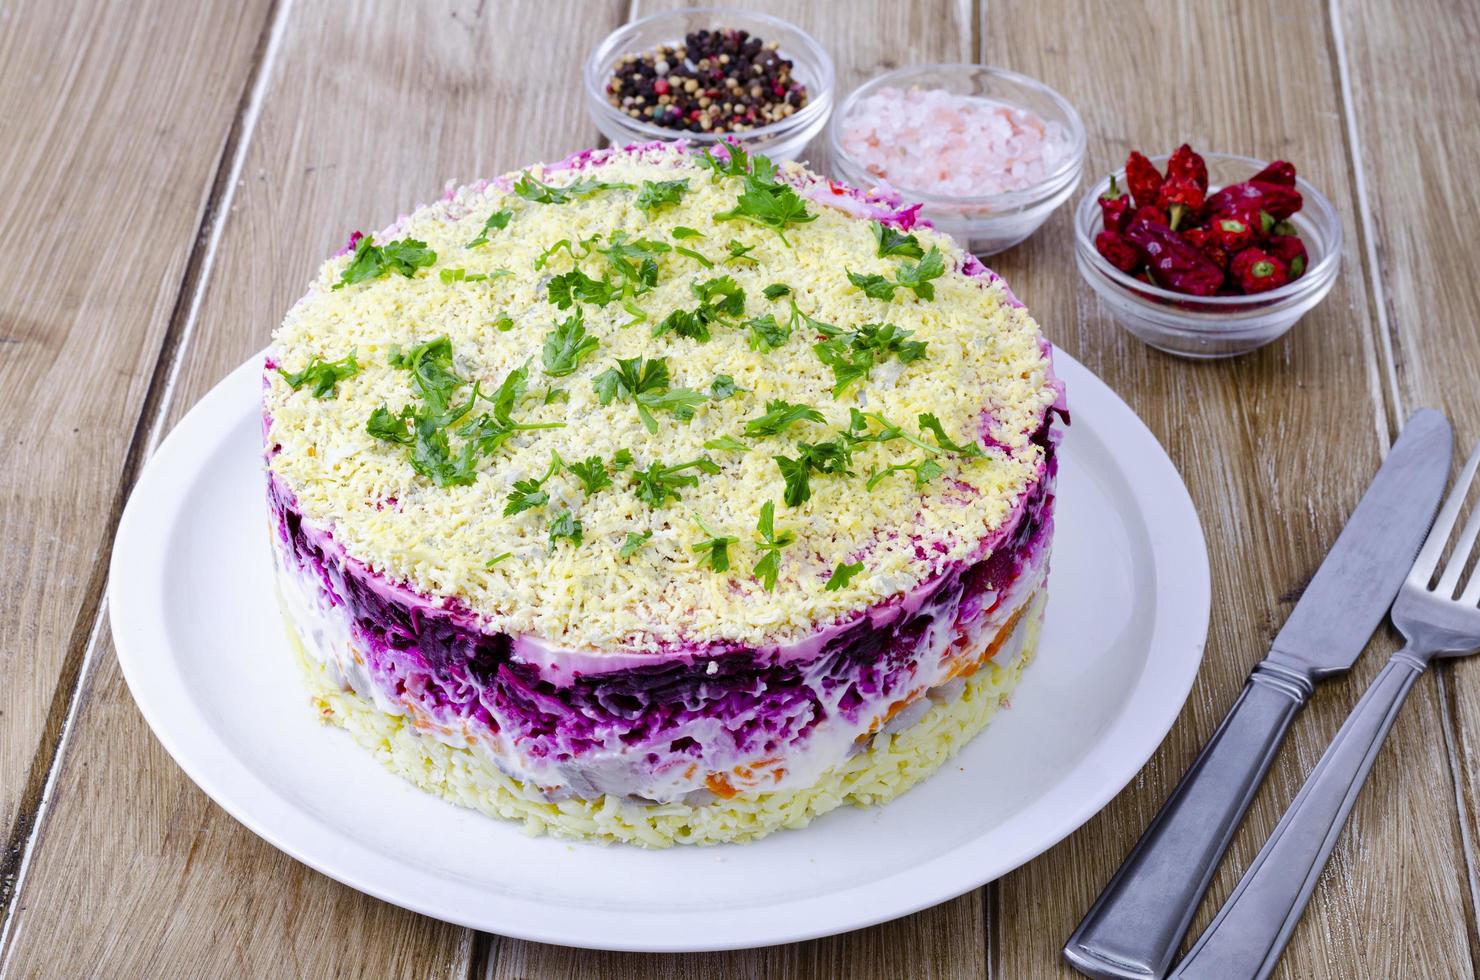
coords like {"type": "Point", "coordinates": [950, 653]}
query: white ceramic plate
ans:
{"type": "Point", "coordinates": [203, 648]}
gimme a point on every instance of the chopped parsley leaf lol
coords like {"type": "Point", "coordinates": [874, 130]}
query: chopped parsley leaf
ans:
{"type": "Point", "coordinates": [533, 189]}
{"type": "Point", "coordinates": [766, 201]}
{"type": "Point", "coordinates": [767, 334]}
{"type": "Point", "coordinates": [925, 470]}
{"type": "Point", "coordinates": [894, 242]}
{"type": "Point", "coordinates": [771, 543]}
{"type": "Point", "coordinates": [728, 444]}
{"type": "Point", "coordinates": [779, 416]}
{"type": "Point", "coordinates": [566, 345]}
{"type": "Point", "coordinates": [323, 375]}
{"type": "Point", "coordinates": [715, 551]}
{"type": "Point", "coordinates": [841, 576]}
{"type": "Point", "coordinates": [529, 494]}
{"type": "Point", "coordinates": [576, 287]}
{"type": "Point", "coordinates": [776, 290]}
{"type": "Point", "coordinates": [657, 194]}
{"type": "Point", "coordinates": [503, 323]}
{"type": "Point", "coordinates": [739, 250]}
{"type": "Point", "coordinates": [565, 525]}
{"type": "Point", "coordinates": [697, 257]}
{"type": "Point", "coordinates": [592, 473]}
{"type": "Point", "coordinates": [371, 261]}
{"type": "Point", "coordinates": [633, 543]}
{"type": "Point", "coordinates": [682, 232]}
{"type": "Point", "coordinates": [497, 221]}
{"type": "Point", "coordinates": [451, 275]}
{"type": "Point", "coordinates": [929, 423]}
{"type": "Point", "coordinates": [656, 484]}
{"type": "Point", "coordinates": [723, 386]}
{"type": "Point", "coordinates": [913, 276]}
{"type": "Point", "coordinates": [645, 382]}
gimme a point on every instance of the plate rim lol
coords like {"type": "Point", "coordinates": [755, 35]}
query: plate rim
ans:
{"type": "Point", "coordinates": [136, 613]}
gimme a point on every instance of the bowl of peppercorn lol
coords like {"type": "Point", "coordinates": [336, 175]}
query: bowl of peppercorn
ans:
{"type": "Point", "coordinates": [708, 75]}
{"type": "Point", "coordinates": [1207, 255]}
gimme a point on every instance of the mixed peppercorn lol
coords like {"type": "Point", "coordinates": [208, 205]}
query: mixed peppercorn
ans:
{"type": "Point", "coordinates": [1170, 231]}
{"type": "Point", "coordinates": [720, 81]}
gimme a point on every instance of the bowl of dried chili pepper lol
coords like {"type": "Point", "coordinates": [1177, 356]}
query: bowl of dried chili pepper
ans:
{"type": "Point", "coordinates": [1207, 255]}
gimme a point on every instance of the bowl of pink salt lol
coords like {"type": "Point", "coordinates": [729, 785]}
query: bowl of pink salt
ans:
{"type": "Point", "coordinates": [988, 153]}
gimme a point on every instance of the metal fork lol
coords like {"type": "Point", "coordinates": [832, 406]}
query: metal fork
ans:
{"type": "Point", "coordinates": [1250, 931]}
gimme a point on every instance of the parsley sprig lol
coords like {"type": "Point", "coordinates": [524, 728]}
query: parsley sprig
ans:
{"type": "Point", "coordinates": [841, 576]}
{"type": "Point", "coordinates": [633, 543]}
{"type": "Point", "coordinates": [655, 485]}
{"type": "Point", "coordinates": [530, 493]}
{"type": "Point", "coordinates": [531, 188]}
{"type": "Point", "coordinates": [721, 300]}
{"type": "Point", "coordinates": [372, 261]}
{"type": "Point", "coordinates": [497, 221]}
{"type": "Point", "coordinates": [852, 355]}
{"type": "Point", "coordinates": [323, 375]}
{"type": "Point", "coordinates": [655, 195]}
{"type": "Point", "coordinates": [831, 457]}
{"type": "Point", "coordinates": [914, 276]}
{"type": "Point", "coordinates": [592, 473]}
{"type": "Point", "coordinates": [714, 551]}
{"type": "Point", "coordinates": [646, 383]}
{"type": "Point", "coordinates": [779, 416]}
{"type": "Point", "coordinates": [770, 544]}
{"type": "Point", "coordinates": [569, 288]}
{"type": "Point", "coordinates": [765, 200]}
{"type": "Point", "coordinates": [566, 345]}
{"type": "Point", "coordinates": [894, 242]}
{"type": "Point", "coordinates": [565, 525]}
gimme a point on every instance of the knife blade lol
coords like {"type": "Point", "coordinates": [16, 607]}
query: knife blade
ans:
{"type": "Point", "coordinates": [1355, 585]}
{"type": "Point", "coordinates": [1136, 925]}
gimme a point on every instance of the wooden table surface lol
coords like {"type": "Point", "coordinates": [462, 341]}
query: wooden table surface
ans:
{"type": "Point", "coordinates": [171, 174]}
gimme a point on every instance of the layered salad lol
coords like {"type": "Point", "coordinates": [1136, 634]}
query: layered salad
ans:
{"type": "Point", "coordinates": [660, 497]}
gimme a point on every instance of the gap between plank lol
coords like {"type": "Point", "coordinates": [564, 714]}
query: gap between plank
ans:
{"type": "Point", "coordinates": [83, 643]}
{"type": "Point", "coordinates": [1390, 421]}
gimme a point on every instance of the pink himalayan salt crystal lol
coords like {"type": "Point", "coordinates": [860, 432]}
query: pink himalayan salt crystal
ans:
{"type": "Point", "coordinates": [938, 142]}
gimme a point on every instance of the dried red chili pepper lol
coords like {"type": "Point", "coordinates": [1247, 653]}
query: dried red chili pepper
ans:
{"type": "Point", "coordinates": [1256, 271]}
{"type": "Point", "coordinates": [1290, 250]}
{"type": "Point", "coordinates": [1150, 213]}
{"type": "Point", "coordinates": [1115, 207]}
{"type": "Point", "coordinates": [1142, 179]}
{"type": "Point", "coordinates": [1187, 164]}
{"type": "Point", "coordinates": [1237, 199]}
{"type": "Point", "coordinates": [1174, 263]}
{"type": "Point", "coordinates": [1181, 197]}
{"type": "Point", "coordinates": [1202, 239]}
{"type": "Point", "coordinates": [1232, 232]}
{"type": "Point", "coordinates": [1279, 200]}
{"type": "Point", "coordinates": [1117, 249]}
{"type": "Point", "coordinates": [1279, 172]}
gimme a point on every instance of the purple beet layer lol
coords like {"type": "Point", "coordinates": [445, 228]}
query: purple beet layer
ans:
{"type": "Point", "coordinates": [713, 704]}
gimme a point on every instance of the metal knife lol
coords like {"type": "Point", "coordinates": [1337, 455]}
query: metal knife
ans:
{"type": "Point", "coordinates": [1136, 925]}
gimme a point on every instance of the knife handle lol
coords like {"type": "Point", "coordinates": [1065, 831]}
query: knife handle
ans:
{"type": "Point", "coordinates": [1249, 933]}
{"type": "Point", "coordinates": [1137, 923]}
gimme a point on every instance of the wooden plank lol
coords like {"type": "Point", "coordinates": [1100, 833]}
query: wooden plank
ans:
{"type": "Point", "coordinates": [942, 943]}
{"type": "Point", "coordinates": [112, 121]}
{"type": "Point", "coordinates": [865, 39]}
{"type": "Point", "coordinates": [1276, 448]}
{"type": "Point", "coordinates": [1414, 76]}
{"type": "Point", "coordinates": [369, 108]}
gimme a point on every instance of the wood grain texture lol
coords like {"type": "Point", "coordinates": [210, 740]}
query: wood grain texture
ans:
{"type": "Point", "coordinates": [111, 124]}
{"type": "Point", "coordinates": [369, 109]}
{"type": "Point", "coordinates": [1415, 109]}
{"type": "Point", "coordinates": [1276, 448]}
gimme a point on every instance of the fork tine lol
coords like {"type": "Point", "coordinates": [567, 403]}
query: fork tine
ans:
{"type": "Point", "coordinates": [1433, 546]}
{"type": "Point", "coordinates": [1458, 557]}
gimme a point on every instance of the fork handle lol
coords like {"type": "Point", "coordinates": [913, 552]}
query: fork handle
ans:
{"type": "Point", "coordinates": [1249, 933]}
{"type": "Point", "coordinates": [1137, 923]}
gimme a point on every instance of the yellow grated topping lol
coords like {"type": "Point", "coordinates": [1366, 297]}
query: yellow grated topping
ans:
{"type": "Point", "coordinates": [983, 362]}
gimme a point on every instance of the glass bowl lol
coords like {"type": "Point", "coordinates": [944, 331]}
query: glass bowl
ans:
{"type": "Point", "coordinates": [986, 223]}
{"type": "Point", "coordinates": [1212, 326]}
{"type": "Point", "coordinates": [780, 141]}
